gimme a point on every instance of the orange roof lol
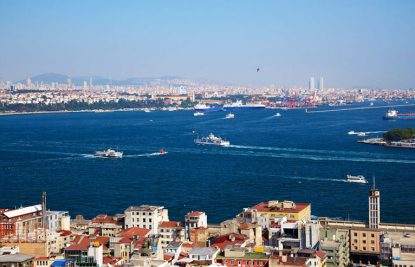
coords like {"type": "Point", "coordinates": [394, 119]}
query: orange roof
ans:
{"type": "Point", "coordinates": [167, 257]}
{"type": "Point", "coordinates": [103, 218]}
{"type": "Point", "coordinates": [170, 224]}
{"type": "Point", "coordinates": [134, 231]}
{"type": "Point", "coordinates": [41, 258]}
{"type": "Point", "coordinates": [77, 247]}
{"type": "Point", "coordinates": [194, 213]}
{"type": "Point", "coordinates": [263, 207]}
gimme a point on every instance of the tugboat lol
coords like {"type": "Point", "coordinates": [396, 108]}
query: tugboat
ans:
{"type": "Point", "coordinates": [212, 140]}
{"type": "Point", "coordinates": [356, 179]}
{"type": "Point", "coordinates": [230, 116]}
{"type": "Point", "coordinates": [108, 153]}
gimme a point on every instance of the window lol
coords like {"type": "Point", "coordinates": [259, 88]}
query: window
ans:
{"type": "Point", "coordinates": [364, 234]}
{"type": "Point", "coordinates": [372, 235]}
{"type": "Point", "coordinates": [364, 248]}
{"type": "Point", "coordinates": [149, 220]}
{"type": "Point", "coordinates": [355, 234]}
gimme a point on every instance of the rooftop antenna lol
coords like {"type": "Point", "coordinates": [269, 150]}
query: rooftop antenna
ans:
{"type": "Point", "coordinates": [374, 182]}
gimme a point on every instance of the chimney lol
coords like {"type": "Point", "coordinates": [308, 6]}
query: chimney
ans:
{"type": "Point", "coordinates": [44, 224]}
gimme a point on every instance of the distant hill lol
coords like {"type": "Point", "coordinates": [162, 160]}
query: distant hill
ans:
{"type": "Point", "coordinates": [48, 78]}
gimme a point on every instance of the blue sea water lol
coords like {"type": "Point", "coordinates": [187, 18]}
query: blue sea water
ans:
{"type": "Point", "coordinates": [298, 156]}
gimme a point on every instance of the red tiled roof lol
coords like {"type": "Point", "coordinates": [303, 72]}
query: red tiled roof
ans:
{"type": "Point", "coordinates": [103, 218]}
{"type": "Point", "coordinates": [194, 213]}
{"type": "Point", "coordinates": [170, 224]}
{"type": "Point", "coordinates": [167, 257]}
{"type": "Point", "coordinates": [263, 207]}
{"type": "Point", "coordinates": [77, 247]}
{"type": "Point", "coordinates": [320, 254]}
{"type": "Point", "coordinates": [134, 231]}
{"type": "Point", "coordinates": [41, 258]}
{"type": "Point", "coordinates": [125, 240]}
{"type": "Point", "coordinates": [65, 232]}
{"type": "Point", "coordinates": [110, 260]}
{"type": "Point", "coordinates": [225, 240]}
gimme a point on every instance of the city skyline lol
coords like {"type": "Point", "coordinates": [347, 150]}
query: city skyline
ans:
{"type": "Point", "coordinates": [352, 44]}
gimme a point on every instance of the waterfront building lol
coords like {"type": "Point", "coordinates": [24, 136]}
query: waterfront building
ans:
{"type": "Point", "coordinates": [170, 232]}
{"type": "Point", "coordinates": [252, 231]}
{"type": "Point", "coordinates": [104, 225]}
{"type": "Point", "coordinates": [397, 249]}
{"type": "Point", "coordinates": [364, 245]}
{"type": "Point", "coordinates": [194, 219]}
{"type": "Point", "coordinates": [293, 211]}
{"type": "Point", "coordinates": [18, 222]}
{"type": "Point", "coordinates": [146, 216]}
{"type": "Point", "coordinates": [374, 207]}
{"type": "Point", "coordinates": [18, 259]}
{"type": "Point", "coordinates": [204, 255]}
{"type": "Point", "coordinates": [335, 243]}
{"type": "Point", "coordinates": [58, 220]}
{"type": "Point", "coordinates": [238, 256]}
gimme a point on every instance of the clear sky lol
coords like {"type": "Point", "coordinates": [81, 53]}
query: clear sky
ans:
{"type": "Point", "coordinates": [350, 43]}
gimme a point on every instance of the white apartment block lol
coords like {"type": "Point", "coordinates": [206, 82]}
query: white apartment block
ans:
{"type": "Point", "coordinates": [146, 216]}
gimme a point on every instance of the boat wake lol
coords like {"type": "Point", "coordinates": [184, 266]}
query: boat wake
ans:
{"type": "Point", "coordinates": [145, 155]}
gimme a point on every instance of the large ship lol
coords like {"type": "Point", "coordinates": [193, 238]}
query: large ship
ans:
{"type": "Point", "coordinates": [108, 153]}
{"type": "Point", "coordinates": [356, 179]}
{"type": "Point", "coordinates": [206, 108]}
{"type": "Point", "coordinates": [239, 105]}
{"type": "Point", "coordinates": [212, 140]}
{"type": "Point", "coordinates": [393, 114]}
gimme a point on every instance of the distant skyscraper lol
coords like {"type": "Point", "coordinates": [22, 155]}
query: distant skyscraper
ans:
{"type": "Point", "coordinates": [69, 82]}
{"type": "Point", "coordinates": [311, 84]}
{"type": "Point", "coordinates": [85, 86]}
{"type": "Point", "coordinates": [29, 83]}
{"type": "Point", "coordinates": [90, 83]}
{"type": "Point", "coordinates": [374, 206]}
{"type": "Point", "coordinates": [321, 83]}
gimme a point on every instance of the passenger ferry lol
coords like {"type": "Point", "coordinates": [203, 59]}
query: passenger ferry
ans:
{"type": "Point", "coordinates": [108, 153]}
{"type": "Point", "coordinates": [212, 140]}
{"type": "Point", "coordinates": [356, 179]}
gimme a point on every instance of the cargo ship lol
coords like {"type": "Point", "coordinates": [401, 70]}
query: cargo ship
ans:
{"type": "Point", "coordinates": [393, 114]}
{"type": "Point", "coordinates": [207, 108]}
{"type": "Point", "coordinates": [239, 105]}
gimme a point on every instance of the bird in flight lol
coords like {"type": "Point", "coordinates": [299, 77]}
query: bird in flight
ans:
{"type": "Point", "coordinates": [257, 69]}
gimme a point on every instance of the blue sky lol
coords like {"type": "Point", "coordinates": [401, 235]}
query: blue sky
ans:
{"type": "Point", "coordinates": [350, 43]}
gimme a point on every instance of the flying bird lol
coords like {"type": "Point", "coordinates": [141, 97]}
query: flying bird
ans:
{"type": "Point", "coordinates": [257, 69]}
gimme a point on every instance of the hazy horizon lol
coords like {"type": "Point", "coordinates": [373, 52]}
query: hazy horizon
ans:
{"type": "Point", "coordinates": [349, 43]}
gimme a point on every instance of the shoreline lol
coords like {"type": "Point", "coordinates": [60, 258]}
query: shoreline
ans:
{"type": "Point", "coordinates": [393, 144]}
{"type": "Point", "coordinates": [85, 111]}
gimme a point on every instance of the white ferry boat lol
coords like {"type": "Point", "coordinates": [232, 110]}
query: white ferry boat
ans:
{"type": "Point", "coordinates": [212, 140]}
{"type": "Point", "coordinates": [108, 153]}
{"type": "Point", "coordinates": [277, 114]}
{"type": "Point", "coordinates": [197, 113]}
{"type": "Point", "coordinates": [230, 116]}
{"type": "Point", "coordinates": [356, 179]}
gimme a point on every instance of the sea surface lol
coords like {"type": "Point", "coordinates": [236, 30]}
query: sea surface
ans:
{"type": "Point", "coordinates": [298, 156]}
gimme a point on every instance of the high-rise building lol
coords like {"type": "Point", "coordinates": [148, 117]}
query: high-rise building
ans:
{"type": "Point", "coordinates": [85, 86]}
{"type": "Point", "coordinates": [90, 83]}
{"type": "Point", "coordinates": [374, 206]}
{"type": "Point", "coordinates": [321, 83]}
{"type": "Point", "coordinates": [311, 84]}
